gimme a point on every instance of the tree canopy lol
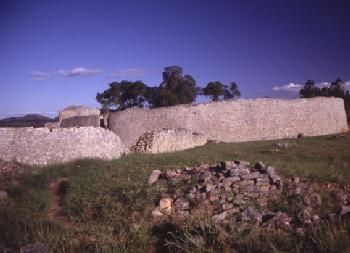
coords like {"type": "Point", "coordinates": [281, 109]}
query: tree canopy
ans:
{"type": "Point", "coordinates": [122, 95]}
{"type": "Point", "coordinates": [218, 91]}
{"type": "Point", "coordinates": [175, 89]}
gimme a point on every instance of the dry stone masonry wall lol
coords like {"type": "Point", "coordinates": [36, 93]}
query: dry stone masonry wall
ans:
{"type": "Point", "coordinates": [168, 140]}
{"type": "Point", "coordinates": [237, 121]}
{"type": "Point", "coordinates": [41, 146]}
{"type": "Point", "coordinates": [78, 111]}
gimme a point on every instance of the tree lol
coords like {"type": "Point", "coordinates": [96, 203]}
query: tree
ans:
{"type": "Point", "coordinates": [218, 91]}
{"type": "Point", "coordinates": [336, 89]}
{"type": "Point", "coordinates": [122, 95]}
{"type": "Point", "coordinates": [232, 91]}
{"type": "Point", "coordinates": [175, 89]}
{"type": "Point", "coordinates": [309, 90]}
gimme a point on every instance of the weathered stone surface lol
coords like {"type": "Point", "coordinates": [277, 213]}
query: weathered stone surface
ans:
{"type": "Point", "coordinates": [220, 217]}
{"type": "Point", "coordinates": [237, 120]}
{"type": "Point", "coordinates": [77, 111]}
{"type": "Point", "coordinates": [305, 216]}
{"type": "Point", "coordinates": [154, 176]}
{"type": "Point", "coordinates": [3, 195]}
{"type": "Point", "coordinates": [34, 248]}
{"type": "Point", "coordinates": [165, 205]}
{"type": "Point", "coordinates": [41, 146]}
{"type": "Point", "coordinates": [251, 215]}
{"type": "Point", "coordinates": [156, 213]}
{"type": "Point", "coordinates": [230, 180]}
{"type": "Point", "coordinates": [168, 140]}
{"type": "Point", "coordinates": [344, 210]}
{"type": "Point", "coordinates": [245, 200]}
{"type": "Point", "coordinates": [81, 121]}
{"type": "Point", "coordinates": [182, 204]}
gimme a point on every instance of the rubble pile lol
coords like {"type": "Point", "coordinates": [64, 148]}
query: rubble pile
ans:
{"type": "Point", "coordinates": [235, 191]}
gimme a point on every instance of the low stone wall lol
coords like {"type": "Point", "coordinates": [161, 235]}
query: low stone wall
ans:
{"type": "Point", "coordinates": [168, 140]}
{"type": "Point", "coordinates": [81, 121]}
{"type": "Point", "coordinates": [41, 146]}
{"type": "Point", "coordinates": [77, 111]}
{"type": "Point", "coordinates": [237, 121]}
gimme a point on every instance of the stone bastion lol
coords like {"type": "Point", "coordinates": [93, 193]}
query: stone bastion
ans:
{"type": "Point", "coordinates": [42, 146]}
{"type": "Point", "coordinates": [237, 120]}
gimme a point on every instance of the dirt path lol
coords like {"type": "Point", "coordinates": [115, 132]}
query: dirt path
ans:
{"type": "Point", "coordinates": [54, 213]}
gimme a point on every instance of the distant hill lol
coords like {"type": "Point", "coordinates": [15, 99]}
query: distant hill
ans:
{"type": "Point", "coordinates": [29, 120]}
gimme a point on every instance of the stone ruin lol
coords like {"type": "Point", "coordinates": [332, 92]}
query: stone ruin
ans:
{"type": "Point", "coordinates": [168, 140]}
{"type": "Point", "coordinates": [174, 128]}
{"type": "Point", "coordinates": [77, 116]}
{"type": "Point", "coordinates": [234, 191]}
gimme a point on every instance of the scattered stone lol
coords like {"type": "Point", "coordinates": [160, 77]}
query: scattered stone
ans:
{"type": "Point", "coordinates": [154, 176]}
{"type": "Point", "coordinates": [282, 220]}
{"type": "Point", "coordinates": [3, 195]}
{"type": "Point", "coordinates": [226, 206]}
{"type": "Point", "coordinates": [300, 232]}
{"type": "Point", "coordinates": [183, 214]}
{"type": "Point", "coordinates": [344, 210]}
{"type": "Point", "coordinates": [305, 216]}
{"type": "Point", "coordinates": [230, 180]}
{"type": "Point", "coordinates": [220, 217]}
{"type": "Point", "coordinates": [37, 247]}
{"type": "Point", "coordinates": [251, 215]}
{"type": "Point", "coordinates": [182, 204]}
{"type": "Point", "coordinates": [332, 217]}
{"type": "Point", "coordinates": [296, 180]}
{"type": "Point", "coordinates": [156, 213]}
{"type": "Point", "coordinates": [234, 187]}
{"type": "Point", "coordinates": [165, 205]}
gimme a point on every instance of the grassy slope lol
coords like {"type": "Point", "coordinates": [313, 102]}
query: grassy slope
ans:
{"type": "Point", "coordinates": [105, 196]}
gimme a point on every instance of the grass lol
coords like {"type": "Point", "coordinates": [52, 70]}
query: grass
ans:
{"type": "Point", "coordinates": [106, 205]}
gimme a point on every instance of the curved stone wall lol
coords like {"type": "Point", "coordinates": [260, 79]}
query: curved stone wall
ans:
{"type": "Point", "coordinates": [237, 120]}
{"type": "Point", "coordinates": [168, 140]}
{"type": "Point", "coordinates": [41, 146]}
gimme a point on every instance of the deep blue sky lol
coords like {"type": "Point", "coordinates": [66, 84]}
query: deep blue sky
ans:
{"type": "Point", "coordinates": [57, 53]}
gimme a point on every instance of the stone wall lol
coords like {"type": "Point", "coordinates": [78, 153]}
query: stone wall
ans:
{"type": "Point", "coordinates": [41, 146]}
{"type": "Point", "coordinates": [77, 111]}
{"type": "Point", "coordinates": [237, 121]}
{"type": "Point", "coordinates": [81, 121]}
{"type": "Point", "coordinates": [168, 140]}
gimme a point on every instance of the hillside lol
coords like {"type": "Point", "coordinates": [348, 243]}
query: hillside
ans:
{"type": "Point", "coordinates": [109, 206]}
{"type": "Point", "coordinates": [34, 120]}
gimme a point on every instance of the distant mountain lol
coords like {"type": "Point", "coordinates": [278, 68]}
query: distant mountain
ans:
{"type": "Point", "coordinates": [34, 120]}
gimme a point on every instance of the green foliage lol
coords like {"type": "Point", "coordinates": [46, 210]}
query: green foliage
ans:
{"type": "Point", "coordinates": [173, 91]}
{"type": "Point", "coordinates": [218, 91]}
{"type": "Point", "coordinates": [122, 95]}
{"type": "Point", "coordinates": [309, 90]}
